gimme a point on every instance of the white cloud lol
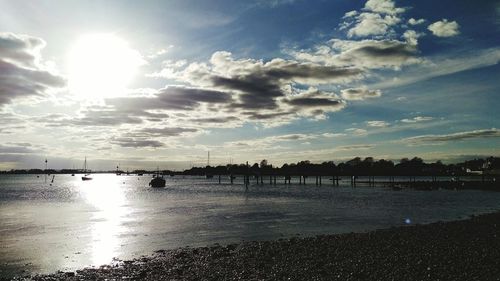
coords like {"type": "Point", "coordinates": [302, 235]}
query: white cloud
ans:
{"type": "Point", "coordinates": [377, 123]}
{"type": "Point", "coordinates": [350, 14]}
{"type": "Point", "coordinates": [383, 7]}
{"type": "Point", "coordinates": [372, 24]}
{"type": "Point", "coordinates": [411, 36]}
{"type": "Point", "coordinates": [417, 119]}
{"type": "Point", "coordinates": [444, 28]}
{"type": "Point", "coordinates": [378, 18]}
{"type": "Point", "coordinates": [413, 21]}
{"type": "Point", "coordinates": [357, 131]}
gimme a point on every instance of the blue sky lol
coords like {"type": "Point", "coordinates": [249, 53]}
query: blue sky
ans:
{"type": "Point", "coordinates": [160, 83]}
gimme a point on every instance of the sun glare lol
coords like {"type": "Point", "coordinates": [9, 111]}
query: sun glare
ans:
{"type": "Point", "coordinates": [101, 65]}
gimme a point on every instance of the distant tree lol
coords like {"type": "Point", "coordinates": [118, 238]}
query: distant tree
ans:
{"type": "Point", "coordinates": [416, 161]}
{"type": "Point", "coordinates": [368, 160]}
{"type": "Point", "coordinates": [354, 162]}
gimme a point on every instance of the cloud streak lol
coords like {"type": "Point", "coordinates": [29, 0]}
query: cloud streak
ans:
{"type": "Point", "coordinates": [466, 135]}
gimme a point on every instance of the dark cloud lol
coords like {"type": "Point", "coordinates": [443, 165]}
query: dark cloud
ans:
{"type": "Point", "coordinates": [9, 123]}
{"type": "Point", "coordinates": [308, 72]}
{"type": "Point", "coordinates": [257, 92]}
{"type": "Point", "coordinates": [166, 131]}
{"type": "Point", "coordinates": [216, 120]}
{"type": "Point", "coordinates": [376, 53]}
{"type": "Point", "coordinates": [20, 74]}
{"type": "Point", "coordinates": [360, 94]}
{"type": "Point", "coordinates": [147, 137]}
{"type": "Point", "coordinates": [354, 147]}
{"type": "Point", "coordinates": [364, 54]}
{"type": "Point", "coordinates": [314, 102]}
{"type": "Point", "coordinates": [265, 116]}
{"type": "Point", "coordinates": [261, 87]}
{"type": "Point", "coordinates": [96, 116]}
{"type": "Point", "coordinates": [136, 143]}
{"type": "Point", "coordinates": [135, 110]}
{"type": "Point", "coordinates": [21, 49]}
{"type": "Point", "coordinates": [15, 149]}
{"type": "Point", "coordinates": [106, 118]}
{"type": "Point", "coordinates": [385, 50]}
{"type": "Point", "coordinates": [171, 98]}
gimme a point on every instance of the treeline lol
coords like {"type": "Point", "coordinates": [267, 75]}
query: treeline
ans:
{"type": "Point", "coordinates": [357, 166]}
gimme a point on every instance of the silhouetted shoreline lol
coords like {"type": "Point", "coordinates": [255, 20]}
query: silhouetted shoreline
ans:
{"type": "Point", "coordinates": [489, 167]}
{"type": "Point", "coordinates": [460, 250]}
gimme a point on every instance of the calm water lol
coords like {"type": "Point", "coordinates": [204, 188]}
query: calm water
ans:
{"type": "Point", "coordinates": [73, 224]}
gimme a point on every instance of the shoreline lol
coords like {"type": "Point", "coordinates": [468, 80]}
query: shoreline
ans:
{"type": "Point", "coordinates": [466, 249]}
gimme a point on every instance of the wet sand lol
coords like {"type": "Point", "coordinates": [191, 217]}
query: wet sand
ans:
{"type": "Point", "coordinates": [459, 250]}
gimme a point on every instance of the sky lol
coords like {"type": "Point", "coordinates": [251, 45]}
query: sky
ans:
{"type": "Point", "coordinates": [142, 84]}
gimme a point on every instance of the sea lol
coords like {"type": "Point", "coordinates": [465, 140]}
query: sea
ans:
{"type": "Point", "coordinates": [59, 222]}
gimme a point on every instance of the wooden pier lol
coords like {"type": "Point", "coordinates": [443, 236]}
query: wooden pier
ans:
{"type": "Point", "coordinates": [422, 182]}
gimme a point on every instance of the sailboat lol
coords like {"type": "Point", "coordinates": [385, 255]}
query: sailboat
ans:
{"type": "Point", "coordinates": [86, 176]}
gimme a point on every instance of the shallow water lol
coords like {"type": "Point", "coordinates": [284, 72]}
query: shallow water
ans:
{"type": "Point", "coordinates": [73, 223]}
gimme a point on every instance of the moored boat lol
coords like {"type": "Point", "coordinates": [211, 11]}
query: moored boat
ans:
{"type": "Point", "coordinates": [157, 181]}
{"type": "Point", "coordinates": [86, 176]}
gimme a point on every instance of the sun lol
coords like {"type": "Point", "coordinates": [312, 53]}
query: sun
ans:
{"type": "Point", "coordinates": [101, 66]}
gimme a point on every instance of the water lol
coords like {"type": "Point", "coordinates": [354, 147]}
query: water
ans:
{"type": "Point", "coordinates": [75, 223]}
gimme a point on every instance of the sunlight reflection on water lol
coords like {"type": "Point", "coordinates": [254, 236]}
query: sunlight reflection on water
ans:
{"type": "Point", "coordinates": [106, 195]}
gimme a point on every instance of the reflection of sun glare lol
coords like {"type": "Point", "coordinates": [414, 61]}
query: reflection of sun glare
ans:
{"type": "Point", "coordinates": [105, 194]}
{"type": "Point", "coordinates": [101, 65]}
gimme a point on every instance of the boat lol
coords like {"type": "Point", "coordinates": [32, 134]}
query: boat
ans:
{"type": "Point", "coordinates": [86, 176]}
{"type": "Point", "coordinates": [157, 181]}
